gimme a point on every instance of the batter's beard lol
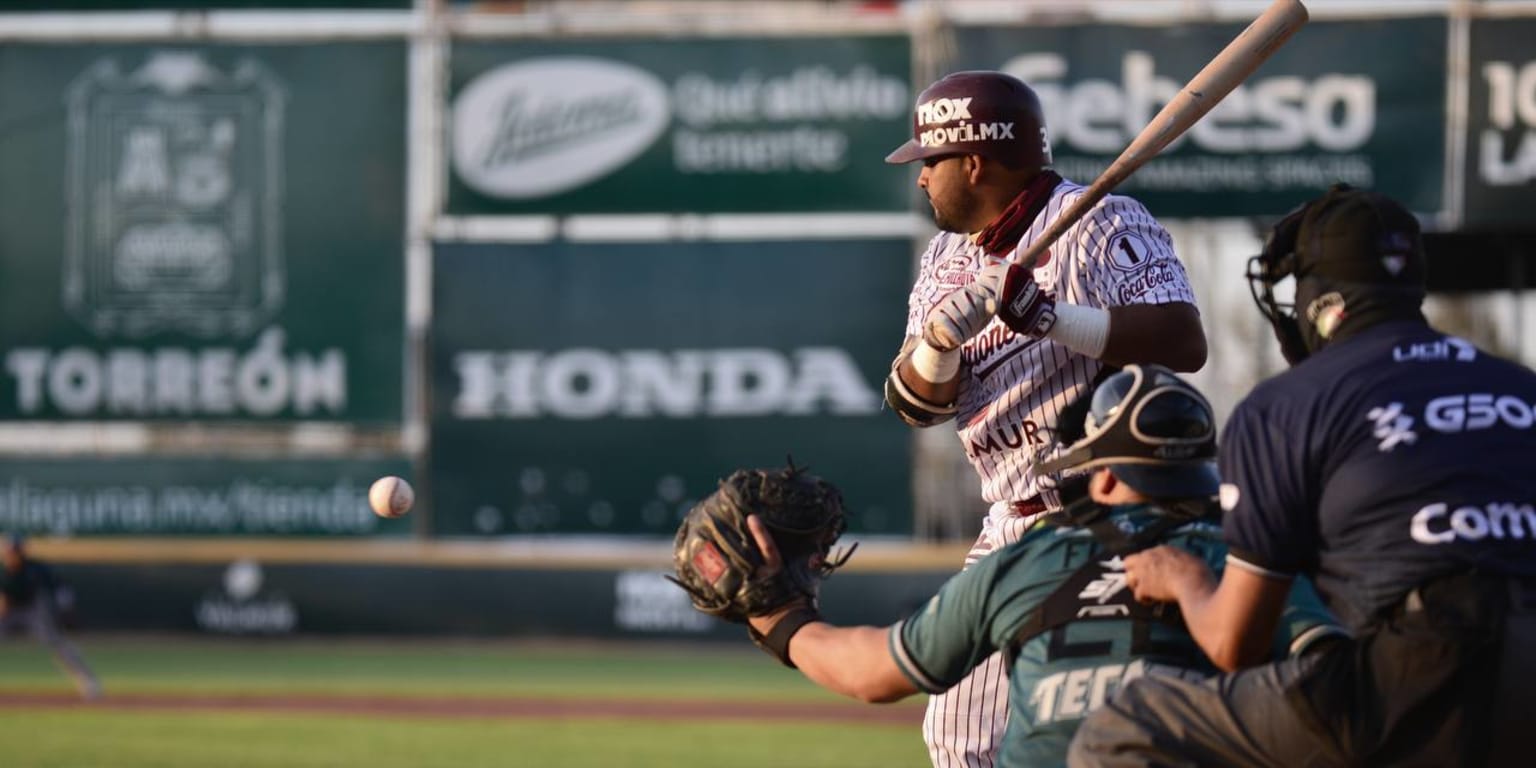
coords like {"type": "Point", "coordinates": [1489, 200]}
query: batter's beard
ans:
{"type": "Point", "coordinates": [950, 223]}
{"type": "Point", "coordinates": [944, 222]}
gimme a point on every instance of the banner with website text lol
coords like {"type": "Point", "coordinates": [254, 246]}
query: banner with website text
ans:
{"type": "Point", "coordinates": [192, 496]}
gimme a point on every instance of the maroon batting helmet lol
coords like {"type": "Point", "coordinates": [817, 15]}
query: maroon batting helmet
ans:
{"type": "Point", "coordinates": [978, 113]}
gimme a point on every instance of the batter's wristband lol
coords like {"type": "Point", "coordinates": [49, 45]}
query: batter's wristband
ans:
{"type": "Point", "coordinates": [934, 365]}
{"type": "Point", "coordinates": [776, 642]}
{"type": "Point", "coordinates": [1084, 330]}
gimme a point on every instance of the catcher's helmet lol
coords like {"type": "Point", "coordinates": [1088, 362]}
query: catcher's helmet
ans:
{"type": "Point", "coordinates": [1153, 430]}
{"type": "Point", "coordinates": [978, 113]}
{"type": "Point", "coordinates": [1348, 246]}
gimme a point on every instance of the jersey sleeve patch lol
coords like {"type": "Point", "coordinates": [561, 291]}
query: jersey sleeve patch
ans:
{"type": "Point", "coordinates": [1128, 251]}
{"type": "Point", "coordinates": [1130, 257]}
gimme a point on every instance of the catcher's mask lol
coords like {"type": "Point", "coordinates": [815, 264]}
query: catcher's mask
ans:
{"type": "Point", "coordinates": [1356, 259]}
{"type": "Point", "coordinates": [1152, 430]}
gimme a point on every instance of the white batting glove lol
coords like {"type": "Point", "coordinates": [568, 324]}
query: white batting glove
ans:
{"type": "Point", "coordinates": [962, 314]}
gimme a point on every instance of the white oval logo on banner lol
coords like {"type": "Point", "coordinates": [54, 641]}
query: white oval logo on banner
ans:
{"type": "Point", "coordinates": [544, 126]}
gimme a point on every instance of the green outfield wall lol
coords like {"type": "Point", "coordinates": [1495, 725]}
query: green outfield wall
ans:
{"type": "Point", "coordinates": [252, 597]}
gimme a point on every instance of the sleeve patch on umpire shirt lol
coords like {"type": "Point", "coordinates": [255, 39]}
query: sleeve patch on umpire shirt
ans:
{"type": "Point", "coordinates": [1230, 495]}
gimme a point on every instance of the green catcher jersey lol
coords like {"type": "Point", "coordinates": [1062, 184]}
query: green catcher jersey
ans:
{"type": "Point", "coordinates": [1059, 676]}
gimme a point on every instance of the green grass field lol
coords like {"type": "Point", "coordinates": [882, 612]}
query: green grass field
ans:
{"type": "Point", "coordinates": [127, 729]}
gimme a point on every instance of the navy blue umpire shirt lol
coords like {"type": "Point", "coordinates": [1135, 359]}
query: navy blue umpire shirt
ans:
{"type": "Point", "coordinates": [1380, 462]}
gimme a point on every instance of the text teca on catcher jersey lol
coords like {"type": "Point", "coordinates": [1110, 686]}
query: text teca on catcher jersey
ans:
{"type": "Point", "coordinates": [1013, 387]}
{"type": "Point", "coordinates": [1059, 677]}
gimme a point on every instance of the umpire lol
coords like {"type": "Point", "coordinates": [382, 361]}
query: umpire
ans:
{"type": "Point", "coordinates": [1392, 463]}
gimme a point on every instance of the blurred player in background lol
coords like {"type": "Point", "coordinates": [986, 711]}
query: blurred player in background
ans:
{"type": "Point", "coordinates": [29, 602]}
{"type": "Point", "coordinates": [1055, 603]}
{"type": "Point", "coordinates": [1392, 463]}
{"type": "Point", "coordinates": [1001, 350]}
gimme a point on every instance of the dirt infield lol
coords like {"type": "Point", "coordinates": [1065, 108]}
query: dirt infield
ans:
{"type": "Point", "coordinates": [413, 706]}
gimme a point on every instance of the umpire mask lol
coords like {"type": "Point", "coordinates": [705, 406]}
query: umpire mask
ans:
{"type": "Point", "coordinates": [1357, 261]}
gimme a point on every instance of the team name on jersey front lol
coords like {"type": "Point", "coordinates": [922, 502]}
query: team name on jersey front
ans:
{"type": "Point", "coordinates": [1014, 387]}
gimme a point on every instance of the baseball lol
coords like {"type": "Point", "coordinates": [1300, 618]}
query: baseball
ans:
{"type": "Point", "coordinates": [391, 496]}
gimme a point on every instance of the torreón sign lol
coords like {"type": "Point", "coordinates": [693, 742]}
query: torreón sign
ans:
{"type": "Point", "coordinates": [593, 383]}
{"type": "Point", "coordinates": [135, 381]}
{"type": "Point", "coordinates": [174, 171]}
{"type": "Point", "coordinates": [175, 253]}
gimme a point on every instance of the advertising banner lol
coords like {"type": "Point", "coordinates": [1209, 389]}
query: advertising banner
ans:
{"type": "Point", "coordinates": [1501, 126]}
{"type": "Point", "coordinates": [679, 125]}
{"type": "Point", "coordinates": [254, 597]}
{"type": "Point", "coordinates": [583, 388]}
{"type": "Point", "coordinates": [170, 496]}
{"type": "Point", "coordinates": [1361, 102]}
{"type": "Point", "coordinates": [202, 232]}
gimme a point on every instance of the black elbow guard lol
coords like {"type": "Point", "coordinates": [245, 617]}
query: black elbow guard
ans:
{"type": "Point", "coordinates": [913, 409]}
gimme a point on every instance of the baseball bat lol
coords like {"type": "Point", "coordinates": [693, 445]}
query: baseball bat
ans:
{"type": "Point", "coordinates": [1210, 85]}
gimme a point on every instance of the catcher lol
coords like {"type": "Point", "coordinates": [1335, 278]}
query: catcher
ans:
{"type": "Point", "coordinates": [1055, 602]}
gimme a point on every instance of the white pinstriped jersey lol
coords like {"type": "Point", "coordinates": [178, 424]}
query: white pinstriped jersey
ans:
{"type": "Point", "coordinates": [1013, 387]}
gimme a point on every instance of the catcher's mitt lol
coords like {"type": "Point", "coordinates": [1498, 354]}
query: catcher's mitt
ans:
{"type": "Point", "coordinates": [719, 564]}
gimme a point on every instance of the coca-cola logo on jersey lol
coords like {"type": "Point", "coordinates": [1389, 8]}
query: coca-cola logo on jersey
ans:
{"type": "Point", "coordinates": [1153, 275]}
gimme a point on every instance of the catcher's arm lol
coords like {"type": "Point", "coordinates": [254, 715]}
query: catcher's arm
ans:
{"type": "Point", "coordinates": [852, 661]}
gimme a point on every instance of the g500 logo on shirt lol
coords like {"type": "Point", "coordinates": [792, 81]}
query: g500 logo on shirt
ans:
{"type": "Point", "coordinates": [1451, 414]}
{"type": "Point", "coordinates": [1468, 413]}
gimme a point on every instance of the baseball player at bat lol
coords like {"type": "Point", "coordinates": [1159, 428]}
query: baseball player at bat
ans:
{"type": "Point", "coordinates": [1391, 463]}
{"type": "Point", "coordinates": [1002, 350]}
{"type": "Point", "coordinates": [1054, 604]}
